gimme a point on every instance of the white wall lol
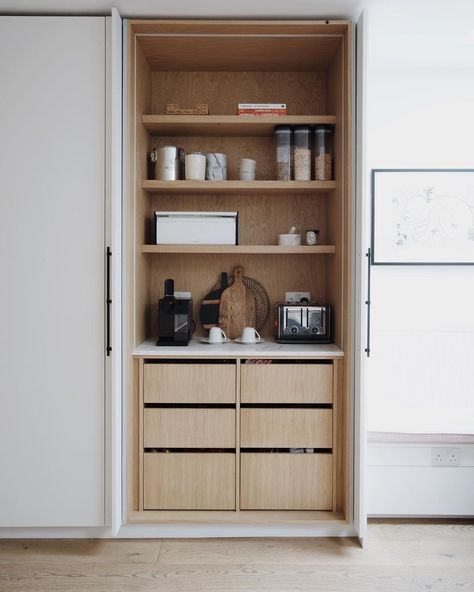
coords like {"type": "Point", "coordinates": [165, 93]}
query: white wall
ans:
{"type": "Point", "coordinates": [420, 114]}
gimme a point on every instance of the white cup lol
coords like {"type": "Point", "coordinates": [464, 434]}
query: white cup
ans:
{"type": "Point", "coordinates": [247, 169]}
{"type": "Point", "coordinates": [195, 166]}
{"type": "Point", "coordinates": [250, 335]}
{"type": "Point", "coordinates": [216, 335]}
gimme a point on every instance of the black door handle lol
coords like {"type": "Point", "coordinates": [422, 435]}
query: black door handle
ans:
{"type": "Point", "coordinates": [367, 302]}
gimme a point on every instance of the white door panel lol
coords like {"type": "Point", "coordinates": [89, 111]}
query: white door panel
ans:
{"type": "Point", "coordinates": [52, 150]}
{"type": "Point", "coordinates": [362, 207]}
{"type": "Point", "coordinates": [114, 239]}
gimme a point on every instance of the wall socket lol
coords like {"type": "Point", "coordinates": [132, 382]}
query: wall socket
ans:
{"type": "Point", "coordinates": [445, 457]}
{"type": "Point", "coordinates": [295, 297]}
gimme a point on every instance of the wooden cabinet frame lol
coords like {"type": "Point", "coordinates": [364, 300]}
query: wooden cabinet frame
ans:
{"type": "Point", "coordinates": [161, 60]}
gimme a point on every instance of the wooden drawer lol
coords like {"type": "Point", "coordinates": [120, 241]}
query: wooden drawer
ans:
{"type": "Point", "coordinates": [189, 383]}
{"type": "Point", "coordinates": [286, 383]}
{"type": "Point", "coordinates": [189, 481]}
{"type": "Point", "coordinates": [285, 481]}
{"type": "Point", "coordinates": [189, 428]}
{"type": "Point", "coordinates": [286, 428]}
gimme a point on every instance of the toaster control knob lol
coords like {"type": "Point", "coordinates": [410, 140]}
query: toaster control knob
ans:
{"type": "Point", "coordinates": [315, 330]}
{"type": "Point", "coordinates": [294, 329]}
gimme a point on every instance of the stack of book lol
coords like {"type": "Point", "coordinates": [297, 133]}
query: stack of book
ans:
{"type": "Point", "coordinates": [261, 109]}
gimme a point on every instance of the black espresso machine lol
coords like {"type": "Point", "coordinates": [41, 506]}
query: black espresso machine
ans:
{"type": "Point", "coordinates": [175, 318]}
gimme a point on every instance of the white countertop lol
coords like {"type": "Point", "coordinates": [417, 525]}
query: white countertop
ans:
{"type": "Point", "coordinates": [237, 350]}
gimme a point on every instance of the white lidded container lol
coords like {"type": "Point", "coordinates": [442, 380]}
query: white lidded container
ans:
{"type": "Point", "coordinates": [196, 228]}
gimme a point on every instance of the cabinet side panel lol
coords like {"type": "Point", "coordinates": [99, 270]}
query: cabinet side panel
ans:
{"type": "Point", "coordinates": [143, 307]}
{"type": "Point", "coordinates": [340, 233]}
{"type": "Point", "coordinates": [52, 257]}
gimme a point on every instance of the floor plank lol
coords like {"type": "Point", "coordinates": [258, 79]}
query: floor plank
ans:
{"type": "Point", "coordinates": [32, 551]}
{"type": "Point", "coordinates": [232, 578]}
{"type": "Point", "coordinates": [399, 557]}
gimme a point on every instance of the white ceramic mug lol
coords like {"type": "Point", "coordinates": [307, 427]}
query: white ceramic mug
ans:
{"type": "Point", "coordinates": [216, 335]}
{"type": "Point", "coordinates": [250, 335]}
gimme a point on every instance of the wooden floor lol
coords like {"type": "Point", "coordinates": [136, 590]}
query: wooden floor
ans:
{"type": "Point", "coordinates": [399, 557]}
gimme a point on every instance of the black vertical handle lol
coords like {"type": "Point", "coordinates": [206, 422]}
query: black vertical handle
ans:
{"type": "Point", "coordinates": [108, 302]}
{"type": "Point", "coordinates": [367, 302]}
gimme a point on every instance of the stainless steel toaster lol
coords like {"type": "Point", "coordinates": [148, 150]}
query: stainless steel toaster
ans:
{"type": "Point", "coordinates": [303, 323]}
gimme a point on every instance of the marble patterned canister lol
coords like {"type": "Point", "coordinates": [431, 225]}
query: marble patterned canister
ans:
{"type": "Point", "coordinates": [216, 167]}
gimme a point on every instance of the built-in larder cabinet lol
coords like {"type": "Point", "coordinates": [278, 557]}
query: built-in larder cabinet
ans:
{"type": "Point", "coordinates": [236, 433]}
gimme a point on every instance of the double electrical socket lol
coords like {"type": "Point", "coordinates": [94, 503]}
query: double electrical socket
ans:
{"type": "Point", "coordinates": [296, 297]}
{"type": "Point", "coordinates": [445, 457]}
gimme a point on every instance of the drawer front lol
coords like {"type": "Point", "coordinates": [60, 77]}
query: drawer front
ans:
{"type": "Point", "coordinates": [189, 428]}
{"type": "Point", "coordinates": [189, 383]}
{"type": "Point", "coordinates": [286, 428]}
{"type": "Point", "coordinates": [285, 481]}
{"type": "Point", "coordinates": [194, 481]}
{"type": "Point", "coordinates": [286, 383]}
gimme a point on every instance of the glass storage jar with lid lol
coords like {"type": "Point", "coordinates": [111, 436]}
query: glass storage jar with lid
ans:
{"type": "Point", "coordinates": [323, 140]}
{"type": "Point", "coordinates": [283, 137]}
{"type": "Point", "coordinates": [302, 153]}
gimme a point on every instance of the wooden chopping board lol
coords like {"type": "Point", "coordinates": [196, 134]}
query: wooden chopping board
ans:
{"type": "Point", "coordinates": [237, 307]}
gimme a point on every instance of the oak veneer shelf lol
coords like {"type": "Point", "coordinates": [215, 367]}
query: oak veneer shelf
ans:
{"type": "Point", "coordinates": [238, 187]}
{"type": "Point", "coordinates": [226, 125]}
{"type": "Point", "coordinates": [241, 249]}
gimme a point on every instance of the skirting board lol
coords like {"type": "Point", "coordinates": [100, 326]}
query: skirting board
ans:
{"type": "Point", "coordinates": [183, 531]}
{"type": "Point", "coordinates": [401, 482]}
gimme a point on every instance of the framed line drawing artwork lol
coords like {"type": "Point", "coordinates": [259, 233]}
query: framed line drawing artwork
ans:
{"type": "Point", "coordinates": [422, 216]}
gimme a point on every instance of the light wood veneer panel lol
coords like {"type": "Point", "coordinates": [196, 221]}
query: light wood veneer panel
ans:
{"type": "Point", "coordinates": [228, 125]}
{"type": "Point", "coordinates": [239, 51]}
{"type": "Point", "coordinates": [303, 92]}
{"type": "Point", "coordinates": [189, 428]}
{"type": "Point", "coordinates": [189, 481]}
{"type": "Point", "coordinates": [286, 428]}
{"type": "Point", "coordinates": [261, 220]}
{"type": "Point", "coordinates": [247, 249]}
{"type": "Point", "coordinates": [189, 383]}
{"type": "Point", "coordinates": [286, 383]}
{"type": "Point", "coordinates": [239, 27]}
{"type": "Point", "coordinates": [285, 481]}
{"type": "Point", "coordinates": [242, 188]}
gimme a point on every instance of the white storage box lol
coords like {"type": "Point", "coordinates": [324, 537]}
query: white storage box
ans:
{"type": "Point", "coordinates": [196, 228]}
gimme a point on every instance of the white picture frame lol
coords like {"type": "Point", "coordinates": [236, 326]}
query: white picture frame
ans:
{"type": "Point", "coordinates": [422, 217]}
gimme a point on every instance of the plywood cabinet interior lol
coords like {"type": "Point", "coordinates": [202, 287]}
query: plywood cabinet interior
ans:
{"type": "Point", "coordinates": [179, 399]}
